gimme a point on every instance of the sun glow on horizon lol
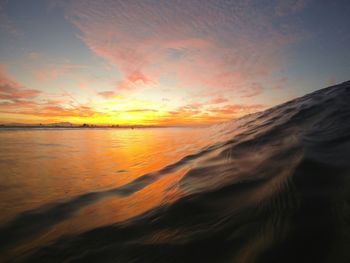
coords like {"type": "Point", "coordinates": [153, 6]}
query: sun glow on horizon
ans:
{"type": "Point", "coordinates": [160, 63]}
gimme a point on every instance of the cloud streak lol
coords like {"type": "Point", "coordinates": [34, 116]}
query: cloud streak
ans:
{"type": "Point", "coordinates": [204, 45]}
{"type": "Point", "coordinates": [17, 99]}
{"type": "Point", "coordinates": [52, 72]}
{"type": "Point", "coordinates": [158, 61]}
{"type": "Point", "coordinates": [255, 90]}
{"type": "Point", "coordinates": [12, 90]}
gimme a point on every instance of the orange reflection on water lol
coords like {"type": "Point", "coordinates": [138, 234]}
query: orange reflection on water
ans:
{"type": "Point", "coordinates": [112, 210]}
{"type": "Point", "coordinates": [43, 167]}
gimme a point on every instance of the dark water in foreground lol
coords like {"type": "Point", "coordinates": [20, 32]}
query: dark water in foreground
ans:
{"type": "Point", "coordinates": [270, 187]}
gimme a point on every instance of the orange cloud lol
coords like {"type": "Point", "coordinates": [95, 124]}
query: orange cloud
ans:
{"type": "Point", "coordinates": [141, 110]}
{"type": "Point", "coordinates": [237, 109]}
{"type": "Point", "coordinates": [218, 100]}
{"type": "Point", "coordinates": [205, 57]}
{"type": "Point", "coordinates": [107, 94]}
{"type": "Point", "coordinates": [11, 90]}
{"type": "Point", "coordinates": [17, 99]}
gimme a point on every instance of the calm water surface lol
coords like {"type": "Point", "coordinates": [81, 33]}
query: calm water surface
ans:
{"type": "Point", "coordinates": [45, 166]}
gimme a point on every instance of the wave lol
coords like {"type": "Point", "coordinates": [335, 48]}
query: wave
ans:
{"type": "Point", "coordinates": [274, 188]}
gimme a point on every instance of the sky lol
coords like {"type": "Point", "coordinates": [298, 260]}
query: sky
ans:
{"type": "Point", "coordinates": [165, 62]}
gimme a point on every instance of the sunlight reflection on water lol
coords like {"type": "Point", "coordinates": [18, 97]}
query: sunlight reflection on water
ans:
{"type": "Point", "coordinates": [45, 166]}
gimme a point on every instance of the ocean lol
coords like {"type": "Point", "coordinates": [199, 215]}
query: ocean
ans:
{"type": "Point", "coordinates": [272, 186]}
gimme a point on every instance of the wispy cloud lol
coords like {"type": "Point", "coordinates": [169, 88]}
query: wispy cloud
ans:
{"type": "Point", "coordinates": [45, 109]}
{"type": "Point", "coordinates": [165, 61]}
{"type": "Point", "coordinates": [12, 90]}
{"type": "Point", "coordinates": [107, 94]}
{"type": "Point", "coordinates": [6, 23]}
{"type": "Point", "coordinates": [17, 99]}
{"type": "Point", "coordinates": [254, 90]}
{"type": "Point", "coordinates": [217, 100]}
{"type": "Point", "coordinates": [142, 110]}
{"type": "Point", "coordinates": [205, 45]}
{"type": "Point", "coordinates": [238, 109]}
{"type": "Point", "coordinates": [50, 72]}
{"type": "Point", "coordinates": [286, 7]}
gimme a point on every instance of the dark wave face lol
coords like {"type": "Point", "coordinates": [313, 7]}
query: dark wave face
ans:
{"type": "Point", "coordinates": [277, 189]}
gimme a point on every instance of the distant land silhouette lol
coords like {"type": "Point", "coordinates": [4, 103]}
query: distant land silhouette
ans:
{"type": "Point", "coordinates": [71, 125]}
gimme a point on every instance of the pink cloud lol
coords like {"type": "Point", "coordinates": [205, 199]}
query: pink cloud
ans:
{"type": "Point", "coordinates": [238, 109]}
{"type": "Point", "coordinates": [255, 90]}
{"type": "Point", "coordinates": [22, 94]}
{"type": "Point", "coordinates": [280, 83]}
{"type": "Point", "coordinates": [12, 90]}
{"type": "Point", "coordinates": [217, 100]}
{"type": "Point", "coordinates": [53, 71]}
{"type": "Point", "coordinates": [203, 48]}
{"type": "Point", "coordinates": [138, 76]}
{"type": "Point", "coordinates": [193, 106]}
{"type": "Point", "coordinates": [107, 94]}
{"type": "Point", "coordinates": [15, 98]}
{"type": "Point", "coordinates": [45, 109]}
{"type": "Point", "coordinates": [183, 115]}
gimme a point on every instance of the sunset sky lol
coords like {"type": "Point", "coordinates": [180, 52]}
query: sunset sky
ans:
{"type": "Point", "coordinates": [174, 62]}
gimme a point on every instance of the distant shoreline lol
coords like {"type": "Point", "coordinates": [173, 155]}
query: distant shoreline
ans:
{"type": "Point", "coordinates": [90, 127]}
